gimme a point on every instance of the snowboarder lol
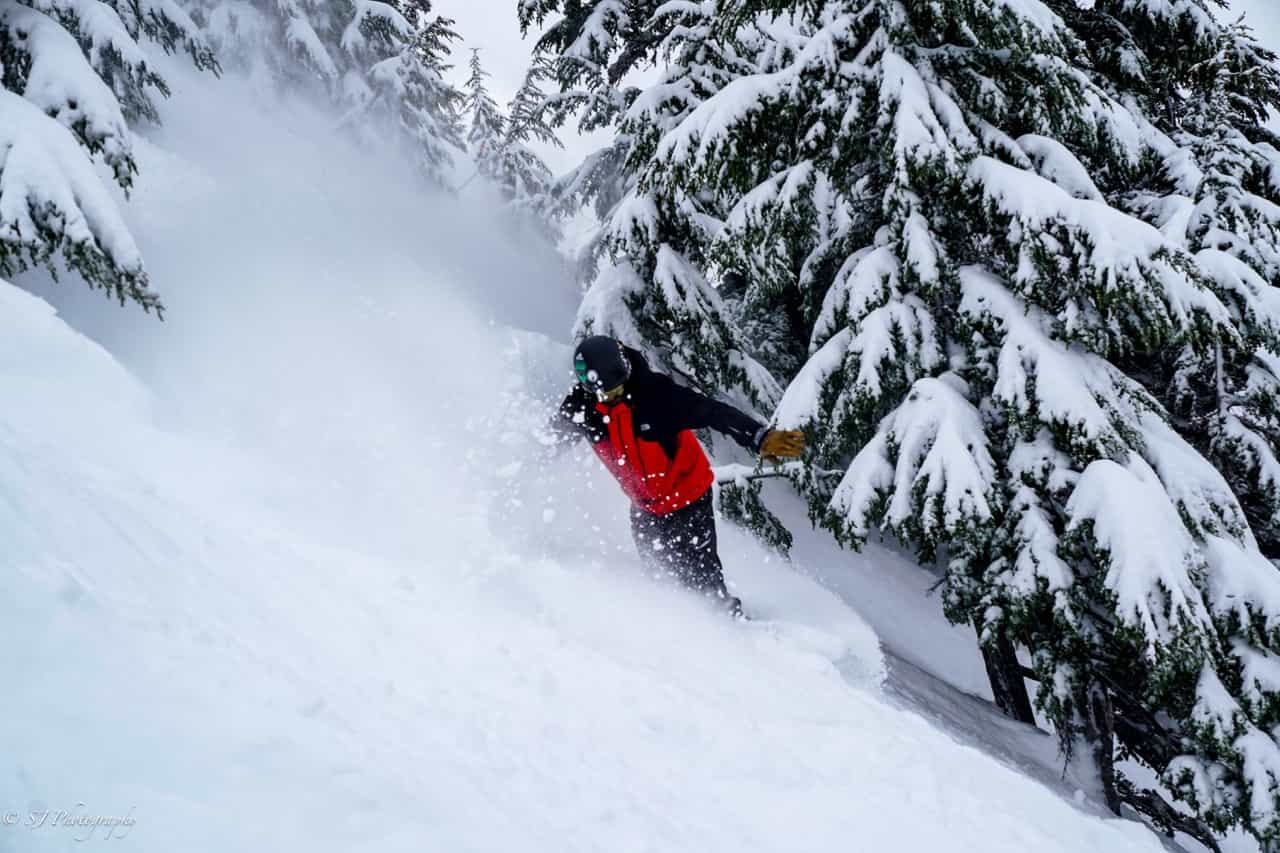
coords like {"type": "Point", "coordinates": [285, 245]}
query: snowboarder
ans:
{"type": "Point", "coordinates": [639, 423]}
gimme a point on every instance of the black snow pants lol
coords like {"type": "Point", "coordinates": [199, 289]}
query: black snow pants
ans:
{"type": "Point", "coordinates": [683, 544]}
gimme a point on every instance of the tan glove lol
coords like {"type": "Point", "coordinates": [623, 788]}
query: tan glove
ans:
{"type": "Point", "coordinates": [779, 444]}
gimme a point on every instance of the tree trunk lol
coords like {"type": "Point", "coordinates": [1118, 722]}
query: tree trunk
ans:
{"type": "Point", "coordinates": [1097, 729]}
{"type": "Point", "coordinates": [1005, 674]}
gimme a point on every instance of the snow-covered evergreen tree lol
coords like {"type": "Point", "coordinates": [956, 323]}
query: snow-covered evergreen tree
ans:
{"type": "Point", "coordinates": [1023, 250]}
{"type": "Point", "coordinates": [1216, 197]}
{"type": "Point", "coordinates": [498, 145]}
{"type": "Point", "coordinates": [586, 52]}
{"type": "Point", "coordinates": [486, 129]}
{"type": "Point", "coordinates": [530, 178]}
{"type": "Point", "coordinates": [647, 270]}
{"type": "Point", "coordinates": [592, 46]}
{"type": "Point", "coordinates": [527, 113]}
{"type": "Point", "coordinates": [410, 89]}
{"type": "Point", "coordinates": [72, 75]}
{"type": "Point", "coordinates": [383, 64]}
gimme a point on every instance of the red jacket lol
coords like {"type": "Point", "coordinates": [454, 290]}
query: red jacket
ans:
{"type": "Point", "coordinates": [654, 481]}
{"type": "Point", "coordinates": [646, 439]}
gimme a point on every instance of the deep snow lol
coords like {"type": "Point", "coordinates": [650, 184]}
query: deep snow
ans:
{"type": "Point", "coordinates": [281, 573]}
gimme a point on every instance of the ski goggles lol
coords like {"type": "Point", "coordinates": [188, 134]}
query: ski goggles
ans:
{"type": "Point", "coordinates": [584, 375]}
{"type": "Point", "coordinates": [591, 381]}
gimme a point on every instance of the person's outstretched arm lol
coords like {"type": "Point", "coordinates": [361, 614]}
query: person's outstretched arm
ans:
{"type": "Point", "coordinates": [696, 411]}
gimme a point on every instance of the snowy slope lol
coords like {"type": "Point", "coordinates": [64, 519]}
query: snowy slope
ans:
{"type": "Point", "coordinates": [189, 655]}
{"type": "Point", "coordinates": [279, 574]}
